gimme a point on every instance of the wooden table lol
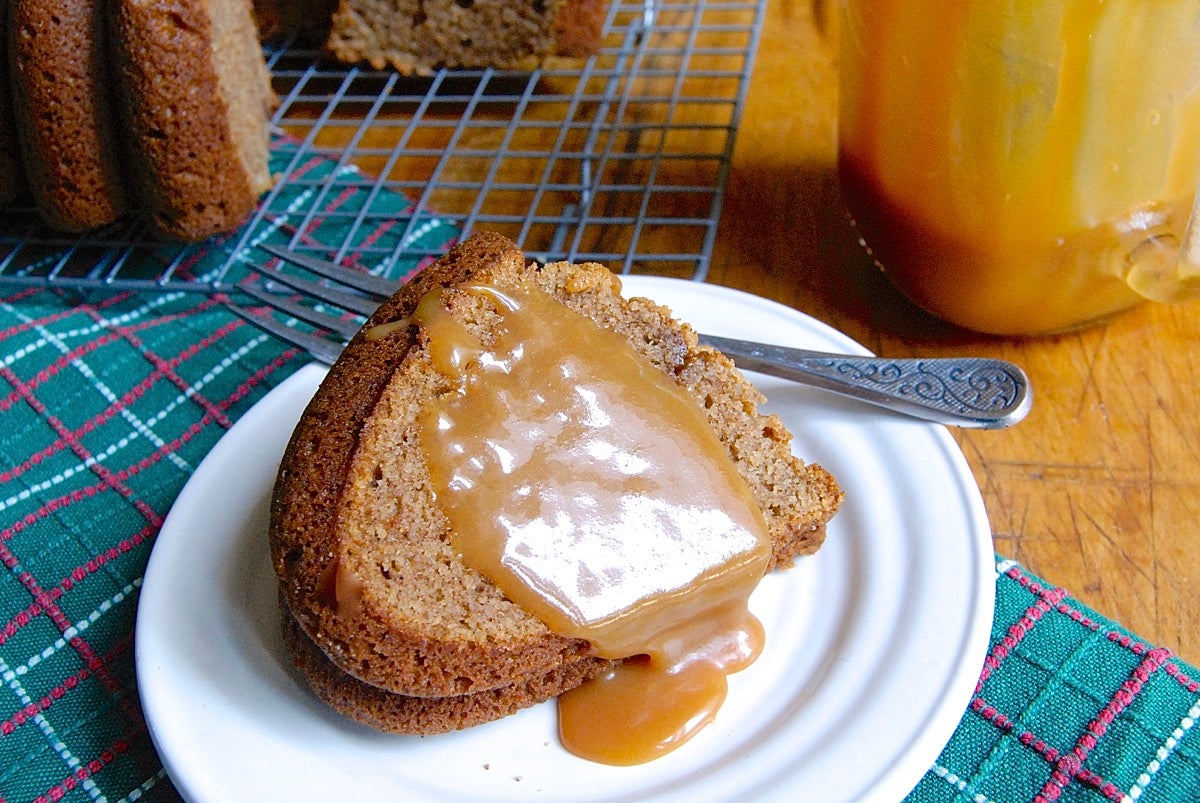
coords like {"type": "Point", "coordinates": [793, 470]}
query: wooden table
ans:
{"type": "Point", "coordinates": [1097, 490]}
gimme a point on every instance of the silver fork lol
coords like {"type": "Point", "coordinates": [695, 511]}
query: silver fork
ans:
{"type": "Point", "coordinates": [981, 393]}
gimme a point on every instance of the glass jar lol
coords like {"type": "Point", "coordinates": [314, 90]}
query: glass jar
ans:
{"type": "Point", "coordinates": [1024, 167]}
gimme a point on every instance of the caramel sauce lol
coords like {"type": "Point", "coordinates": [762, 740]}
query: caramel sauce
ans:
{"type": "Point", "coordinates": [341, 589]}
{"type": "Point", "coordinates": [646, 707]}
{"type": "Point", "coordinates": [591, 490]}
{"type": "Point", "coordinates": [348, 592]}
{"type": "Point", "coordinates": [381, 330]}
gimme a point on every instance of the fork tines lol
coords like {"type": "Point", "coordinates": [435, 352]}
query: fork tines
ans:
{"type": "Point", "coordinates": [360, 293]}
{"type": "Point", "coordinates": [366, 282]}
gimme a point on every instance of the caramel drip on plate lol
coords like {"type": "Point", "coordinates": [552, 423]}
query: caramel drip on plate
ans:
{"type": "Point", "coordinates": [592, 491]}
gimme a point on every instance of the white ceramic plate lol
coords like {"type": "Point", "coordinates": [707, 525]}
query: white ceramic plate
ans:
{"type": "Point", "coordinates": [873, 645]}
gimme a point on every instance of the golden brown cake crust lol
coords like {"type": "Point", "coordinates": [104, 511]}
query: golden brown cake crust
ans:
{"type": "Point", "coordinates": [398, 713]}
{"type": "Point", "coordinates": [187, 159]}
{"type": "Point", "coordinates": [64, 111]}
{"type": "Point", "coordinates": [352, 496]}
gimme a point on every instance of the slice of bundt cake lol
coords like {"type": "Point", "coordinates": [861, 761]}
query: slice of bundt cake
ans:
{"type": "Point", "coordinates": [381, 613]}
{"type": "Point", "coordinates": [196, 100]}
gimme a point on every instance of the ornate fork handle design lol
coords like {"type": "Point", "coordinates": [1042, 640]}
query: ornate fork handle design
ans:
{"type": "Point", "coordinates": [958, 391]}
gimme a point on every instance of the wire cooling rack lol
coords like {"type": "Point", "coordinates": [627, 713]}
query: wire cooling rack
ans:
{"type": "Point", "coordinates": [621, 158]}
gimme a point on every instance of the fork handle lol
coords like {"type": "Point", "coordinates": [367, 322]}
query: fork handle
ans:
{"type": "Point", "coordinates": [975, 392]}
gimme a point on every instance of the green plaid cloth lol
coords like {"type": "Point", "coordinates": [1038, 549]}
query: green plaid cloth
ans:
{"type": "Point", "coordinates": [106, 408]}
{"type": "Point", "coordinates": [1069, 707]}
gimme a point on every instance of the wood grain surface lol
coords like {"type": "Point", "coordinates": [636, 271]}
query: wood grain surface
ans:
{"type": "Point", "coordinates": [1097, 490]}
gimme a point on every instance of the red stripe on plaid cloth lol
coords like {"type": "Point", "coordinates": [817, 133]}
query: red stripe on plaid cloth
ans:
{"type": "Point", "coordinates": [1038, 745]}
{"type": "Point", "coordinates": [123, 402]}
{"type": "Point", "coordinates": [1070, 765]}
{"type": "Point", "coordinates": [375, 235]}
{"type": "Point", "coordinates": [27, 713]}
{"type": "Point", "coordinates": [306, 167]}
{"type": "Point", "coordinates": [1136, 647]}
{"type": "Point", "coordinates": [107, 478]}
{"type": "Point", "coordinates": [1172, 669]}
{"type": "Point", "coordinates": [66, 359]}
{"type": "Point", "coordinates": [313, 224]}
{"type": "Point", "coordinates": [48, 319]}
{"type": "Point", "coordinates": [17, 296]}
{"type": "Point", "coordinates": [56, 367]}
{"type": "Point", "coordinates": [78, 574]}
{"type": "Point", "coordinates": [1017, 632]}
{"type": "Point", "coordinates": [89, 656]}
{"type": "Point", "coordinates": [338, 202]}
{"type": "Point", "coordinates": [184, 268]}
{"type": "Point", "coordinates": [167, 367]}
{"type": "Point", "coordinates": [88, 769]}
{"type": "Point", "coordinates": [82, 493]}
{"type": "Point", "coordinates": [342, 198]}
{"type": "Point", "coordinates": [1067, 767]}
